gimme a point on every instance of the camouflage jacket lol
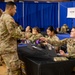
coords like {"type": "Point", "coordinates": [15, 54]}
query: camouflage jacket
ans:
{"type": "Point", "coordinates": [33, 38]}
{"type": "Point", "coordinates": [54, 38]}
{"type": "Point", "coordinates": [70, 45]}
{"type": "Point", "coordinates": [9, 33]}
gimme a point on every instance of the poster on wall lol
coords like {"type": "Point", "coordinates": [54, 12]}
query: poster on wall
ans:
{"type": "Point", "coordinates": [71, 12]}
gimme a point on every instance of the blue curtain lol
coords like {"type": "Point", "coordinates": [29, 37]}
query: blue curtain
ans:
{"type": "Point", "coordinates": [41, 14]}
{"type": "Point", "coordinates": [63, 14]}
{"type": "Point", "coordinates": [19, 14]}
{"type": "Point", "coordinates": [2, 5]}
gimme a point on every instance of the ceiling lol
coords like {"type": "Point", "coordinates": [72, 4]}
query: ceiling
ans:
{"type": "Point", "coordinates": [39, 0]}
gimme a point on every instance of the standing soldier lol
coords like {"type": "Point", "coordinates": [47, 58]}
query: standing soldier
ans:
{"type": "Point", "coordinates": [9, 33]}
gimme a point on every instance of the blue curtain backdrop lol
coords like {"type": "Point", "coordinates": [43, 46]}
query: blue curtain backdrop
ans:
{"type": "Point", "coordinates": [2, 5]}
{"type": "Point", "coordinates": [19, 14]}
{"type": "Point", "coordinates": [41, 14]}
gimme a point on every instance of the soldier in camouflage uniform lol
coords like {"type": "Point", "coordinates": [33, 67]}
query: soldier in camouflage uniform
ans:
{"type": "Point", "coordinates": [64, 28]}
{"type": "Point", "coordinates": [70, 44]}
{"type": "Point", "coordinates": [51, 36]}
{"type": "Point", "coordinates": [26, 37]}
{"type": "Point", "coordinates": [28, 29]}
{"type": "Point", "coordinates": [1, 11]}
{"type": "Point", "coordinates": [28, 34]}
{"type": "Point", "coordinates": [9, 33]}
{"type": "Point", "coordinates": [35, 34]}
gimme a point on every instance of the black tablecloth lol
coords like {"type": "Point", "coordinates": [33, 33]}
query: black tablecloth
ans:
{"type": "Point", "coordinates": [41, 66]}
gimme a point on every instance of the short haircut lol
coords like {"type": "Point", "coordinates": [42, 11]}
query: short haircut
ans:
{"type": "Point", "coordinates": [10, 3]}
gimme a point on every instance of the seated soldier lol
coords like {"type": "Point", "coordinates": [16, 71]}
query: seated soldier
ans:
{"type": "Point", "coordinates": [27, 36]}
{"type": "Point", "coordinates": [28, 29]}
{"type": "Point", "coordinates": [64, 28]}
{"type": "Point", "coordinates": [70, 42]}
{"type": "Point", "coordinates": [51, 36]}
{"type": "Point", "coordinates": [35, 34]}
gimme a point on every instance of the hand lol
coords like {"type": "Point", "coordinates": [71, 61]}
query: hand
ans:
{"type": "Point", "coordinates": [42, 38]}
{"type": "Point", "coordinates": [45, 43]}
{"type": "Point", "coordinates": [62, 53]}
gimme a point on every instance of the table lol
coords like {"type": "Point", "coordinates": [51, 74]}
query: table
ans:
{"type": "Point", "coordinates": [63, 36]}
{"type": "Point", "coordinates": [37, 66]}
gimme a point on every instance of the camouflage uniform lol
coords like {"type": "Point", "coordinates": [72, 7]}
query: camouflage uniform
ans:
{"type": "Point", "coordinates": [54, 38]}
{"type": "Point", "coordinates": [64, 28]}
{"type": "Point", "coordinates": [70, 45]}
{"type": "Point", "coordinates": [1, 11]}
{"type": "Point", "coordinates": [33, 38]}
{"type": "Point", "coordinates": [9, 33]}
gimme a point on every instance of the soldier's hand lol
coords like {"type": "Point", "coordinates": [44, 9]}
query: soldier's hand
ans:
{"type": "Point", "coordinates": [42, 38]}
{"type": "Point", "coordinates": [45, 43]}
{"type": "Point", "coordinates": [62, 53]}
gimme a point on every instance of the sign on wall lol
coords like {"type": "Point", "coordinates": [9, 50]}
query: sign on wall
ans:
{"type": "Point", "coordinates": [71, 12]}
